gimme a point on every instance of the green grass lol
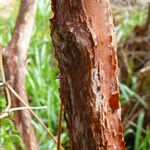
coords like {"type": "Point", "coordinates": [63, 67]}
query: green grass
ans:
{"type": "Point", "coordinates": [42, 87]}
{"type": "Point", "coordinates": [128, 90]}
{"type": "Point", "coordinates": [9, 135]}
{"type": "Point", "coordinates": [127, 20]}
{"type": "Point", "coordinates": [138, 133]}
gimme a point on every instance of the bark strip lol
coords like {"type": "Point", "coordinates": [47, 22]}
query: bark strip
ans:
{"type": "Point", "coordinates": [15, 56]}
{"type": "Point", "coordinates": [83, 38]}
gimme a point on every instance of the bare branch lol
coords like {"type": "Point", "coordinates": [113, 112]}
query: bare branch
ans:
{"type": "Point", "coordinates": [15, 63]}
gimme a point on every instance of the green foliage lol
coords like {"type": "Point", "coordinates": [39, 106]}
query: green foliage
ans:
{"type": "Point", "coordinates": [128, 92]}
{"type": "Point", "coordinates": [7, 24]}
{"type": "Point", "coordinates": [9, 137]}
{"type": "Point", "coordinates": [145, 145]}
{"type": "Point", "coordinates": [42, 87]}
{"type": "Point", "coordinates": [138, 133]}
{"type": "Point", "coordinates": [142, 137]}
{"type": "Point", "coordinates": [127, 21]}
{"type": "Point", "coordinates": [2, 104]}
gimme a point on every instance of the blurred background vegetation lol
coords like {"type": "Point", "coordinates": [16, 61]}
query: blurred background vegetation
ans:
{"type": "Point", "coordinates": [42, 85]}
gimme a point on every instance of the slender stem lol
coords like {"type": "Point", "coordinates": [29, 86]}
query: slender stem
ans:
{"type": "Point", "coordinates": [24, 108]}
{"type": "Point", "coordinates": [4, 115]}
{"type": "Point", "coordinates": [32, 112]}
{"type": "Point", "coordinates": [59, 126]}
{"type": "Point", "coordinates": [4, 80]}
{"type": "Point", "coordinates": [7, 112]}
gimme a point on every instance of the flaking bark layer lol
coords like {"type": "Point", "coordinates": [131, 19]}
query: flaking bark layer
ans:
{"type": "Point", "coordinates": [83, 38]}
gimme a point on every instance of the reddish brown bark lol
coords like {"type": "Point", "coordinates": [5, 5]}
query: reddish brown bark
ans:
{"type": "Point", "coordinates": [83, 38]}
{"type": "Point", "coordinates": [15, 56]}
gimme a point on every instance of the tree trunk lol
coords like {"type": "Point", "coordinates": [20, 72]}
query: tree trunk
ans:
{"type": "Point", "coordinates": [83, 38]}
{"type": "Point", "coordinates": [15, 56]}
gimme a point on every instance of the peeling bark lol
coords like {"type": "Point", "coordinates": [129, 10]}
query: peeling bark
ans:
{"type": "Point", "coordinates": [83, 38]}
{"type": "Point", "coordinates": [15, 56]}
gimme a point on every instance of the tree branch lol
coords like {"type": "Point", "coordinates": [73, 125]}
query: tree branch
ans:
{"type": "Point", "coordinates": [15, 62]}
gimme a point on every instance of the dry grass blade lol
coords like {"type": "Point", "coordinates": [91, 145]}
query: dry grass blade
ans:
{"type": "Point", "coordinates": [7, 112]}
{"type": "Point", "coordinates": [23, 108]}
{"type": "Point", "coordinates": [4, 79]}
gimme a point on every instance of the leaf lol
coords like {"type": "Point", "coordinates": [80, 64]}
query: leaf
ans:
{"type": "Point", "coordinates": [138, 134]}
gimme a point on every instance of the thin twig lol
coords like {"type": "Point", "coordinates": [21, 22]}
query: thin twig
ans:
{"type": "Point", "coordinates": [7, 112]}
{"type": "Point", "coordinates": [24, 108]}
{"type": "Point", "coordinates": [59, 126]}
{"type": "Point", "coordinates": [145, 69]}
{"type": "Point", "coordinates": [4, 115]}
{"type": "Point", "coordinates": [32, 112]}
{"type": "Point", "coordinates": [8, 97]}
